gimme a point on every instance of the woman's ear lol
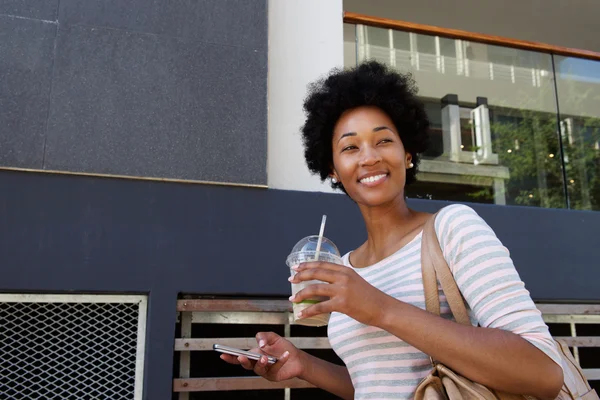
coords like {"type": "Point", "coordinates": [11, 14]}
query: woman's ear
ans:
{"type": "Point", "coordinates": [333, 176]}
{"type": "Point", "coordinates": [409, 163]}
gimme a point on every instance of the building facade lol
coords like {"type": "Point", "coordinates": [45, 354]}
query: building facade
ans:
{"type": "Point", "coordinates": [151, 154]}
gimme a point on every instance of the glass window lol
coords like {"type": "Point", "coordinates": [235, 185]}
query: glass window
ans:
{"type": "Point", "coordinates": [578, 86]}
{"type": "Point", "coordinates": [426, 44]}
{"type": "Point", "coordinates": [493, 115]}
{"type": "Point", "coordinates": [349, 45]}
{"type": "Point", "coordinates": [379, 44]}
{"type": "Point", "coordinates": [401, 47]}
{"type": "Point", "coordinates": [401, 40]}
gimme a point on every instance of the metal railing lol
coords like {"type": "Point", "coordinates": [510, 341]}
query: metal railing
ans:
{"type": "Point", "coordinates": [457, 66]}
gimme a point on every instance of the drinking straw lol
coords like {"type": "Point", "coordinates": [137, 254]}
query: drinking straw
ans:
{"type": "Point", "coordinates": [320, 237]}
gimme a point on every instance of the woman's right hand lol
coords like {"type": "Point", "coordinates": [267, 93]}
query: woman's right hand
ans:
{"type": "Point", "coordinates": [289, 364]}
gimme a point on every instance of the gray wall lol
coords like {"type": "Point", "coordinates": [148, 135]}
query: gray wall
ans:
{"type": "Point", "coordinates": [569, 23]}
{"type": "Point", "coordinates": [143, 88]}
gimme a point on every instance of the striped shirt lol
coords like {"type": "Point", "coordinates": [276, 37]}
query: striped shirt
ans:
{"type": "Point", "coordinates": [381, 365]}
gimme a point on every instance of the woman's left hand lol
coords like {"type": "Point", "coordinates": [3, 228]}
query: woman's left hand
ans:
{"type": "Point", "coordinates": [348, 292]}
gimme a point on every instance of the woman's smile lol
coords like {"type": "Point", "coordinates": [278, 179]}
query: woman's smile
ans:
{"type": "Point", "coordinates": [373, 179]}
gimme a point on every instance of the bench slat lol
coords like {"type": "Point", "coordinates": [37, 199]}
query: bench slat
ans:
{"type": "Point", "coordinates": [240, 383]}
{"type": "Point", "coordinates": [592, 374]}
{"type": "Point", "coordinates": [580, 341]}
{"type": "Point", "coordinates": [234, 305]}
{"type": "Point", "coordinates": [246, 343]}
{"type": "Point", "coordinates": [323, 343]}
{"type": "Point", "coordinates": [569, 309]}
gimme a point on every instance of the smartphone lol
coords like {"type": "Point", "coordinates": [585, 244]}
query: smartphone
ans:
{"type": "Point", "coordinates": [239, 352]}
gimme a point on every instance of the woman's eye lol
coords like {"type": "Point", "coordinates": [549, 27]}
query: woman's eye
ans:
{"type": "Point", "coordinates": [385, 141]}
{"type": "Point", "coordinates": [351, 147]}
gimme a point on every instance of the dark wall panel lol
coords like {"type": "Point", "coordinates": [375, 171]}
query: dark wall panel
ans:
{"type": "Point", "coordinates": [26, 57]}
{"type": "Point", "coordinates": [94, 234]}
{"type": "Point", "coordinates": [159, 88]}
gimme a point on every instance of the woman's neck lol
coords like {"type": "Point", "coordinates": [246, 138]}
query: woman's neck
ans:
{"type": "Point", "coordinates": [388, 227]}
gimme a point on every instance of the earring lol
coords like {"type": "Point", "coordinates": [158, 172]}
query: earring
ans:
{"type": "Point", "coordinates": [410, 165]}
{"type": "Point", "coordinates": [333, 180]}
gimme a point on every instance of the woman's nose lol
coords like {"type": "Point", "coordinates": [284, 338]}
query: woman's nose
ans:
{"type": "Point", "coordinates": [369, 156]}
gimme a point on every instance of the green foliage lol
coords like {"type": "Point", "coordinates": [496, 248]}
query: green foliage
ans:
{"type": "Point", "coordinates": [527, 143]}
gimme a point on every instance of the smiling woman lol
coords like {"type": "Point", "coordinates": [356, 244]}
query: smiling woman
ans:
{"type": "Point", "coordinates": [365, 130]}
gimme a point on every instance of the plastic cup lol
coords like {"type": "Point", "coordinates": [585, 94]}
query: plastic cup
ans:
{"type": "Point", "coordinates": [305, 251]}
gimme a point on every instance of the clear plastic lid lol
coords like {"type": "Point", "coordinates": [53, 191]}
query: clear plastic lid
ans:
{"type": "Point", "coordinates": [305, 251]}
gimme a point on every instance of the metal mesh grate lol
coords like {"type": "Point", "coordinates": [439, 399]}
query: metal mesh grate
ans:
{"type": "Point", "coordinates": [89, 349]}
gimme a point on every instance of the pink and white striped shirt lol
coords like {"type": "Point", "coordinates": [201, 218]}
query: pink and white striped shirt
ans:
{"type": "Point", "coordinates": [384, 367]}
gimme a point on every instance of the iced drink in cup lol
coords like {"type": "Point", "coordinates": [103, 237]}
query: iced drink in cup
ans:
{"type": "Point", "coordinates": [306, 250]}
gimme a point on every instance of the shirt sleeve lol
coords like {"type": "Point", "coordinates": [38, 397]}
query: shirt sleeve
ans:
{"type": "Point", "coordinates": [487, 278]}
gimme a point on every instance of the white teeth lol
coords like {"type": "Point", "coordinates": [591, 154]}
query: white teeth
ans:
{"type": "Point", "coordinates": [372, 178]}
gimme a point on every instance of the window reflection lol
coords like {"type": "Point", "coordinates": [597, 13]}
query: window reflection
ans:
{"type": "Point", "coordinates": [493, 114]}
{"type": "Point", "coordinates": [578, 86]}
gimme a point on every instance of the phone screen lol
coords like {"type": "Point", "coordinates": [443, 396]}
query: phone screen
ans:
{"type": "Point", "coordinates": [239, 352]}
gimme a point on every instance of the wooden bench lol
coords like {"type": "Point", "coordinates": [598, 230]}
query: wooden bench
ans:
{"type": "Point", "coordinates": [278, 312]}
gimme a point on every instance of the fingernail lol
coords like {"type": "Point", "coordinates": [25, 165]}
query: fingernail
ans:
{"type": "Point", "coordinates": [287, 353]}
{"type": "Point", "coordinates": [261, 343]}
{"type": "Point", "coordinates": [299, 315]}
{"type": "Point", "coordinates": [295, 267]}
{"type": "Point", "coordinates": [292, 297]}
{"type": "Point", "coordinates": [263, 360]}
{"type": "Point", "coordinates": [291, 278]}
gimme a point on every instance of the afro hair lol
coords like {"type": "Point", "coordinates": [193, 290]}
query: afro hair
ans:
{"type": "Point", "coordinates": [368, 84]}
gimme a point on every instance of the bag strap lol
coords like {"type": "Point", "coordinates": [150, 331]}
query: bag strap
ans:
{"type": "Point", "coordinates": [434, 267]}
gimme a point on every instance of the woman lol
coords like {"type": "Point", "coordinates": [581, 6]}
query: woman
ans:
{"type": "Point", "coordinates": [364, 131]}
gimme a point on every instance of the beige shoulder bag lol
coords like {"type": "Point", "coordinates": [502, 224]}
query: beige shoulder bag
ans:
{"type": "Point", "coordinates": [443, 383]}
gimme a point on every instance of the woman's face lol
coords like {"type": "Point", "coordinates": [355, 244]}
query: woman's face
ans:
{"type": "Point", "coordinates": [369, 157]}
